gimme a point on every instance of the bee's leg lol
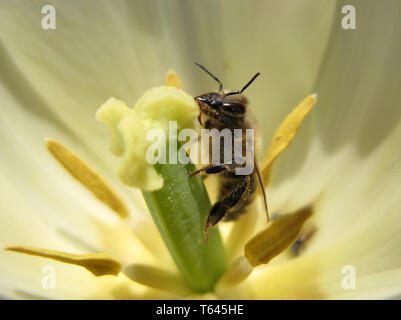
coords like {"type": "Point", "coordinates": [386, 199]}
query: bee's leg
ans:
{"type": "Point", "coordinates": [214, 168]}
{"type": "Point", "coordinates": [220, 208]}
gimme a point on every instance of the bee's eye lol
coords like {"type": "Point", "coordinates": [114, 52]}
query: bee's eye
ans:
{"type": "Point", "coordinates": [215, 104]}
{"type": "Point", "coordinates": [234, 108]}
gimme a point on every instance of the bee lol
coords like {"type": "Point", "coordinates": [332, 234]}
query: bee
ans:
{"type": "Point", "coordinates": [228, 110]}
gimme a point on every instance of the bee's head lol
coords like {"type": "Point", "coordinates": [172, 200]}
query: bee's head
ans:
{"type": "Point", "coordinates": [225, 105]}
{"type": "Point", "coordinates": [221, 105]}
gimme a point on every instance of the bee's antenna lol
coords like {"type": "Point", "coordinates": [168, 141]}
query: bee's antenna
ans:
{"type": "Point", "coordinates": [246, 86]}
{"type": "Point", "coordinates": [249, 82]}
{"type": "Point", "coordinates": [211, 74]}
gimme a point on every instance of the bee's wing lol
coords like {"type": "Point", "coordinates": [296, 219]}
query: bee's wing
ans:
{"type": "Point", "coordinates": [260, 178]}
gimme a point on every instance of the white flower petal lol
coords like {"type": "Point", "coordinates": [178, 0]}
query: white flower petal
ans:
{"type": "Point", "coordinates": [347, 161]}
{"type": "Point", "coordinates": [120, 49]}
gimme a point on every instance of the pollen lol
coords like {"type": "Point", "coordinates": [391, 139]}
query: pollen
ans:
{"type": "Point", "coordinates": [276, 237]}
{"type": "Point", "coordinates": [172, 80]}
{"type": "Point", "coordinates": [99, 264]}
{"type": "Point", "coordinates": [87, 176]}
{"type": "Point", "coordinates": [285, 133]}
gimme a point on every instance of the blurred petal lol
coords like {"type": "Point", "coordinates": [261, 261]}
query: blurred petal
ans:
{"type": "Point", "coordinates": [285, 41]}
{"type": "Point", "coordinates": [347, 160]}
{"type": "Point", "coordinates": [103, 50]}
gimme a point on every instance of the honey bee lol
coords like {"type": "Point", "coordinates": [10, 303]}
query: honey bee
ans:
{"type": "Point", "coordinates": [228, 110]}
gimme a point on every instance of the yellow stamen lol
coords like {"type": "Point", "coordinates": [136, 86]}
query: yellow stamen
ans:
{"type": "Point", "coordinates": [285, 133]}
{"type": "Point", "coordinates": [86, 175]}
{"type": "Point", "coordinates": [99, 264]}
{"type": "Point", "coordinates": [172, 80]}
{"type": "Point", "coordinates": [157, 278]}
{"type": "Point", "coordinates": [238, 271]}
{"type": "Point", "coordinates": [277, 237]}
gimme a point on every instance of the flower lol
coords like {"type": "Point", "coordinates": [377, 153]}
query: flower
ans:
{"type": "Point", "coordinates": [346, 159]}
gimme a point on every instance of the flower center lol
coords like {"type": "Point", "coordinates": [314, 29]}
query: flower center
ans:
{"type": "Point", "coordinates": [179, 204]}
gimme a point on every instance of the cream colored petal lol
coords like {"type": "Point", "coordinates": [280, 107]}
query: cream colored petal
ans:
{"type": "Point", "coordinates": [58, 77]}
{"type": "Point", "coordinates": [347, 161]}
{"type": "Point", "coordinates": [284, 40]}
{"type": "Point", "coordinates": [115, 49]}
